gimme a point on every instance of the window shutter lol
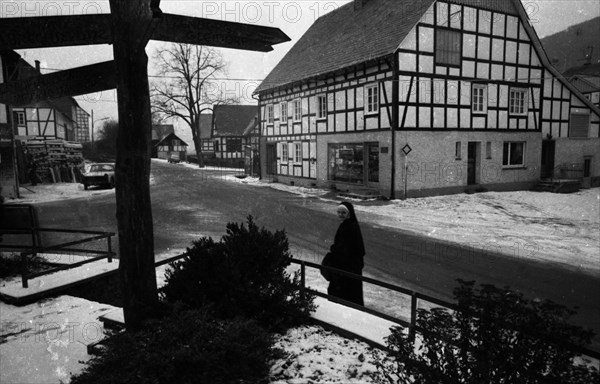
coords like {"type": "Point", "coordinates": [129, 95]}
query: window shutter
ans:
{"type": "Point", "coordinates": [579, 125]}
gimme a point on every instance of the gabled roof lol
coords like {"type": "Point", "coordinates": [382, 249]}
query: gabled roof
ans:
{"type": "Point", "coordinates": [160, 131]}
{"type": "Point", "coordinates": [584, 70]}
{"type": "Point", "coordinates": [232, 120]}
{"type": "Point", "coordinates": [353, 35]}
{"type": "Point", "coordinates": [170, 136]}
{"type": "Point", "coordinates": [206, 122]}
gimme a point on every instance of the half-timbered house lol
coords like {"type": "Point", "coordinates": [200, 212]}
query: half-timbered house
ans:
{"type": "Point", "coordinates": [586, 79]}
{"type": "Point", "coordinates": [171, 148]}
{"type": "Point", "coordinates": [229, 124]}
{"type": "Point", "coordinates": [414, 98]}
{"type": "Point", "coordinates": [207, 144]}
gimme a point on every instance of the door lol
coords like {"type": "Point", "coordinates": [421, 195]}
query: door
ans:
{"type": "Point", "coordinates": [472, 162]}
{"type": "Point", "coordinates": [372, 163]}
{"type": "Point", "coordinates": [548, 147]}
{"type": "Point", "coordinates": [271, 159]}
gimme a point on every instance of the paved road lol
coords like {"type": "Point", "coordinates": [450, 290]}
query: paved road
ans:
{"type": "Point", "coordinates": [189, 203]}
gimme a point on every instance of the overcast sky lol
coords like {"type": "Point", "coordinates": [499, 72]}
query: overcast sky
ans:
{"type": "Point", "coordinates": [246, 68]}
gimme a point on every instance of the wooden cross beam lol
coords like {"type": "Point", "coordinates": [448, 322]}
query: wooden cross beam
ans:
{"type": "Point", "coordinates": [61, 31]}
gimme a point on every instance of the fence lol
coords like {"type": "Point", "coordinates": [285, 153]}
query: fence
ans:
{"type": "Point", "coordinates": [415, 298]}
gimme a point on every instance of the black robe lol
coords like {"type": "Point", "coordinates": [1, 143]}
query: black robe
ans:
{"type": "Point", "coordinates": [347, 254]}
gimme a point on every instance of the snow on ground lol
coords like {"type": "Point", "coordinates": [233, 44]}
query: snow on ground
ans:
{"type": "Point", "coordinates": [545, 226]}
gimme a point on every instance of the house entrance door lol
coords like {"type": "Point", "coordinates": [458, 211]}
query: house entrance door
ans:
{"type": "Point", "coordinates": [372, 164]}
{"type": "Point", "coordinates": [548, 148]}
{"type": "Point", "coordinates": [472, 163]}
{"type": "Point", "coordinates": [271, 159]}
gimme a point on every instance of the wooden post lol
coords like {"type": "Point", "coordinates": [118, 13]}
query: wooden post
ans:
{"type": "Point", "coordinates": [131, 22]}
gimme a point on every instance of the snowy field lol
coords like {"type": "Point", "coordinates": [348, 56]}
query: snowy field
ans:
{"type": "Point", "coordinates": [557, 228]}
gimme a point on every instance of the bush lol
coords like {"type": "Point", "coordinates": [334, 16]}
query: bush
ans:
{"type": "Point", "coordinates": [243, 275]}
{"type": "Point", "coordinates": [494, 336]}
{"type": "Point", "coordinates": [185, 347]}
{"type": "Point", "coordinates": [10, 264]}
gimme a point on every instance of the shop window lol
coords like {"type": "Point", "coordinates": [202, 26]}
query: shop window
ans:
{"type": "Point", "coordinates": [284, 112]}
{"type": "Point", "coordinates": [321, 107]}
{"type": "Point", "coordinates": [518, 101]}
{"type": "Point", "coordinates": [372, 99]}
{"type": "Point", "coordinates": [448, 45]}
{"type": "Point", "coordinates": [297, 110]}
{"type": "Point", "coordinates": [270, 114]}
{"type": "Point", "coordinates": [479, 98]}
{"type": "Point", "coordinates": [346, 163]}
{"type": "Point", "coordinates": [513, 154]}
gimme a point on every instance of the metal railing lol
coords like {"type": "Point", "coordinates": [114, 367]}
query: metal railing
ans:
{"type": "Point", "coordinates": [66, 247]}
{"type": "Point", "coordinates": [415, 297]}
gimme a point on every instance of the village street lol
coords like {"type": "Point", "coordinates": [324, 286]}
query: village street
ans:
{"type": "Point", "coordinates": [190, 203]}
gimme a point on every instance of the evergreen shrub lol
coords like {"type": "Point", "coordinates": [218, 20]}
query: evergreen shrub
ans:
{"type": "Point", "coordinates": [493, 336]}
{"type": "Point", "coordinates": [242, 275]}
{"type": "Point", "coordinates": [188, 346]}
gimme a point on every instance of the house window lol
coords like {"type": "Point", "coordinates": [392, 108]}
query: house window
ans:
{"type": "Point", "coordinates": [270, 114]}
{"type": "Point", "coordinates": [217, 149]}
{"type": "Point", "coordinates": [20, 117]}
{"type": "Point", "coordinates": [297, 110]}
{"type": "Point", "coordinates": [457, 151]}
{"type": "Point", "coordinates": [296, 152]}
{"type": "Point", "coordinates": [284, 153]}
{"type": "Point", "coordinates": [234, 145]}
{"type": "Point", "coordinates": [479, 98]}
{"type": "Point", "coordinates": [448, 45]}
{"type": "Point", "coordinates": [518, 101]}
{"type": "Point", "coordinates": [284, 112]}
{"type": "Point", "coordinates": [321, 107]}
{"type": "Point", "coordinates": [372, 99]}
{"type": "Point", "coordinates": [579, 125]}
{"type": "Point", "coordinates": [513, 154]}
{"type": "Point", "coordinates": [346, 163]}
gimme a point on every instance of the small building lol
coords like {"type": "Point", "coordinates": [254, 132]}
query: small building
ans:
{"type": "Point", "coordinates": [229, 124]}
{"type": "Point", "coordinates": [171, 148]}
{"type": "Point", "coordinates": [416, 98]}
{"type": "Point", "coordinates": [586, 79]}
{"type": "Point", "coordinates": [159, 132]}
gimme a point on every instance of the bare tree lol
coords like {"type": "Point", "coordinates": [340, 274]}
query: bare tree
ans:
{"type": "Point", "coordinates": [186, 86]}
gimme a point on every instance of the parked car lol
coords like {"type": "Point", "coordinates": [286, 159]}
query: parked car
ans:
{"type": "Point", "coordinates": [174, 158]}
{"type": "Point", "coordinates": [102, 174]}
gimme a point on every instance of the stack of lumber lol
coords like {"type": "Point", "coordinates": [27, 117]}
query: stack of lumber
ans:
{"type": "Point", "coordinates": [55, 159]}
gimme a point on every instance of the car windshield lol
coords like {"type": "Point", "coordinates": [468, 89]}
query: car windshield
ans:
{"type": "Point", "coordinates": [101, 168]}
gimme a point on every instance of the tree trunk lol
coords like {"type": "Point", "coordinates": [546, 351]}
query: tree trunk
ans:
{"type": "Point", "coordinates": [198, 142]}
{"type": "Point", "coordinates": [130, 21]}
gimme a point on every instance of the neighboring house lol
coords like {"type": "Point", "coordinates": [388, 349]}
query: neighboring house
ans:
{"type": "Point", "coordinates": [587, 80]}
{"type": "Point", "coordinates": [230, 123]}
{"type": "Point", "coordinates": [171, 148]}
{"type": "Point", "coordinates": [207, 144]}
{"type": "Point", "coordinates": [252, 147]}
{"type": "Point", "coordinates": [159, 132]}
{"type": "Point", "coordinates": [574, 46]}
{"type": "Point", "coordinates": [418, 98]}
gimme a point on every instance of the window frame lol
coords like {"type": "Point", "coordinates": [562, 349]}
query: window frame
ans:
{"type": "Point", "coordinates": [371, 107]}
{"type": "Point", "coordinates": [296, 153]}
{"type": "Point", "coordinates": [507, 155]}
{"type": "Point", "coordinates": [439, 57]}
{"type": "Point", "coordinates": [283, 112]}
{"type": "Point", "coordinates": [285, 157]}
{"type": "Point", "coordinates": [479, 107]}
{"type": "Point", "coordinates": [21, 118]}
{"type": "Point", "coordinates": [270, 114]}
{"type": "Point", "coordinates": [321, 107]}
{"type": "Point", "coordinates": [297, 112]}
{"type": "Point", "coordinates": [511, 102]}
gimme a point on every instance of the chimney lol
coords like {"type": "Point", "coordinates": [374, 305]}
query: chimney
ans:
{"type": "Point", "coordinates": [37, 66]}
{"type": "Point", "coordinates": [358, 4]}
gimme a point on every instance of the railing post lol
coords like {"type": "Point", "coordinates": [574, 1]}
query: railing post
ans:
{"type": "Point", "coordinates": [303, 274]}
{"type": "Point", "coordinates": [109, 240]}
{"type": "Point", "coordinates": [24, 270]}
{"type": "Point", "coordinates": [413, 316]}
